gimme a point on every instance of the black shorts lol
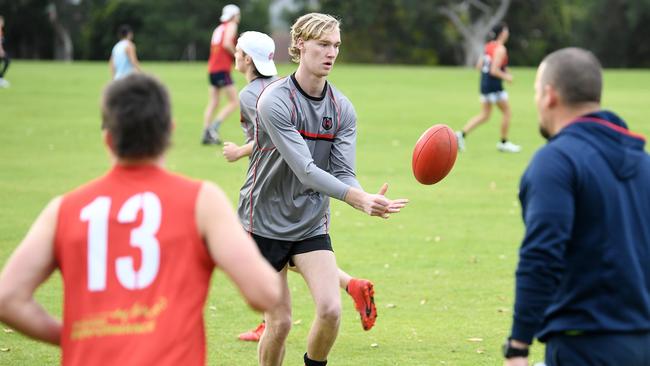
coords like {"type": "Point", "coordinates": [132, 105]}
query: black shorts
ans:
{"type": "Point", "coordinates": [279, 252]}
{"type": "Point", "coordinates": [220, 79]}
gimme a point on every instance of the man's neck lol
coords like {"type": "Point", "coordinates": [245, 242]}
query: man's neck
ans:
{"type": "Point", "coordinates": [250, 75]}
{"type": "Point", "coordinates": [311, 84]}
{"type": "Point", "coordinates": [159, 161]}
{"type": "Point", "coordinates": [570, 114]}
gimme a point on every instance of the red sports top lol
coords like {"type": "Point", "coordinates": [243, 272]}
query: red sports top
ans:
{"type": "Point", "coordinates": [490, 48]}
{"type": "Point", "coordinates": [220, 59]}
{"type": "Point", "coordinates": [135, 270]}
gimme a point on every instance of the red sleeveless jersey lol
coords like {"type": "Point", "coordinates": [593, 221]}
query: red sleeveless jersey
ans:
{"type": "Point", "coordinates": [220, 59]}
{"type": "Point", "coordinates": [135, 270]}
{"type": "Point", "coordinates": [490, 47]}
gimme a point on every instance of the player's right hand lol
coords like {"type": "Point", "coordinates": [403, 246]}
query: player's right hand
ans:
{"type": "Point", "coordinates": [231, 151]}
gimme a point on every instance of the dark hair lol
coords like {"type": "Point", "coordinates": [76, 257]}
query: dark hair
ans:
{"type": "Point", "coordinates": [497, 29]}
{"type": "Point", "coordinates": [124, 30]}
{"type": "Point", "coordinates": [575, 73]}
{"type": "Point", "coordinates": [137, 114]}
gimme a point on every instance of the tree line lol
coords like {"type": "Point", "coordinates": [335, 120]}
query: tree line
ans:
{"type": "Point", "coordinates": [429, 32]}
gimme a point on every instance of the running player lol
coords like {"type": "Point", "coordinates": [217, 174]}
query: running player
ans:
{"type": "Point", "coordinates": [254, 58]}
{"type": "Point", "coordinates": [493, 65]}
{"type": "Point", "coordinates": [136, 249]}
{"type": "Point", "coordinates": [304, 153]}
{"type": "Point", "coordinates": [124, 59]}
{"type": "Point", "coordinates": [222, 50]}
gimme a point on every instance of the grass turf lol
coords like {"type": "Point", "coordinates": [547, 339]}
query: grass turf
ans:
{"type": "Point", "coordinates": [443, 268]}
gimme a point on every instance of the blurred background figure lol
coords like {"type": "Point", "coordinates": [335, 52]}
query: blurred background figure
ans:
{"type": "Point", "coordinates": [493, 65]}
{"type": "Point", "coordinates": [124, 59]}
{"type": "Point", "coordinates": [4, 58]}
{"type": "Point", "coordinates": [222, 51]}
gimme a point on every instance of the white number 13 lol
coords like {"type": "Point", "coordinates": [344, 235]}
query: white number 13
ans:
{"type": "Point", "coordinates": [143, 237]}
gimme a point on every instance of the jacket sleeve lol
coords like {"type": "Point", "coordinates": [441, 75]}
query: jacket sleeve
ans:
{"type": "Point", "coordinates": [547, 200]}
{"type": "Point", "coordinates": [275, 117]}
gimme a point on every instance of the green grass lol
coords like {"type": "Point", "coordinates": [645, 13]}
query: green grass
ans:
{"type": "Point", "coordinates": [446, 262]}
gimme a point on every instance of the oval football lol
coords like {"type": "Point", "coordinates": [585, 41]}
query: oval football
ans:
{"type": "Point", "coordinates": [434, 154]}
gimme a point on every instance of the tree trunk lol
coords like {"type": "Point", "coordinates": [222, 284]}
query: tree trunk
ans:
{"type": "Point", "coordinates": [475, 33]}
{"type": "Point", "coordinates": [63, 48]}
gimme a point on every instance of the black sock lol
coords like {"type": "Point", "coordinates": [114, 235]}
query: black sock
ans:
{"type": "Point", "coordinates": [310, 362]}
{"type": "Point", "coordinates": [503, 141]}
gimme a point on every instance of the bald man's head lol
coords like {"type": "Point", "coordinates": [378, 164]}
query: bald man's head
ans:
{"type": "Point", "coordinates": [575, 74]}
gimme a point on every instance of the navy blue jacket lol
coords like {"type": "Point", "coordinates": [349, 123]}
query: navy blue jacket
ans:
{"type": "Point", "coordinates": [585, 259]}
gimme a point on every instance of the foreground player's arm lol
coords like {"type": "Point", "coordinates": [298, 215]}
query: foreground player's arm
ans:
{"type": "Point", "coordinates": [234, 250]}
{"type": "Point", "coordinates": [273, 115]}
{"type": "Point", "coordinates": [29, 266]}
{"type": "Point", "coordinates": [548, 208]}
{"type": "Point", "coordinates": [342, 163]}
{"type": "Point", "coordinates": [495, 68]}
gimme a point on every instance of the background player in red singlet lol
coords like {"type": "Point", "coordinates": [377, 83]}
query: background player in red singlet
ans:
{"type": "Point", "coordinates": [493, 65]}
{"type": "Point", "coordinates": [222, 51]}
{"type": "Point", "coordinates": [136, 249]}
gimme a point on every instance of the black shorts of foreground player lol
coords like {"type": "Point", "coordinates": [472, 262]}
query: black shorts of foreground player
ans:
{"type": "Point", "coordinates": [304, 153]}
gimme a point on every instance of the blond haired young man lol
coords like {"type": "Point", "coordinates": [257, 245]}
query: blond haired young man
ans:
{"type": "Point", "coordinates": [254, 58]}
{"type": "Point", "coordinates": [305, 152]}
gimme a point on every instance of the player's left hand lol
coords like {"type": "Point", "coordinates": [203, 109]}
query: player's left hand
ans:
{"type": "Point", "coordinates": [394, 206]}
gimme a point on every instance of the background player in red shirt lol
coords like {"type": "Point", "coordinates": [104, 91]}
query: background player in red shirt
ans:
{"type": "Point", "coordinates": [222, 51]}
{"type": "Point", "coordinates": [136, 249]}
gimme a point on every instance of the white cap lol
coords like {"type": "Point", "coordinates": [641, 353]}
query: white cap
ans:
{"type": "Point", "coordinates": [228, 12]}
{"type": "Point", "coordinates": [260, 48]}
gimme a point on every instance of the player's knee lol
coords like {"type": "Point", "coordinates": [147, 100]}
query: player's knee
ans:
{"type": "Point", "coordinates": [280, 326]}
{"type": "Point", "coordinates": [330, 311]}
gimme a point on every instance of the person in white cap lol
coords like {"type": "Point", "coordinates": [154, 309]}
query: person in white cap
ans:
{"type": "Point", "coordinates": [222, 50]}
{"type": "Point", "coordinates": [254, 58]}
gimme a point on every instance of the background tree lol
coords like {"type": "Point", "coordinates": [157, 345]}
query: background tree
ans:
{"type": "Point", "coordinates": [448, 32]}
{"type": "Point", "coordinates": [474, 19]}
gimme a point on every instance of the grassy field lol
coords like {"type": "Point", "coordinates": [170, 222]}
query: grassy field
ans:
{"type": "Point", "coordinates": [443, 268]}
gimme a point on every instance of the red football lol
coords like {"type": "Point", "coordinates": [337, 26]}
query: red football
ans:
{"type": "Point", "coordinates": [434, 154]}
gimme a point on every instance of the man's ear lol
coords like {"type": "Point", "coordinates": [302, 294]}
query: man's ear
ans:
{"type": "Point", "coordinates": [300, 44]}
{"type": "Point", "coordinates": [551, 96]}
{"type": "Point", "coordinates": [108, 140]}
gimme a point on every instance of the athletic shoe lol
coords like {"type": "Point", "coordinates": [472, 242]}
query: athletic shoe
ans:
{"type": "Point", "coordinates": [362, 293]}
{"type": "Point", "coordinates": [253, 335]}
{"type": "Point", "coordinates": [508, 147]}
{"type": "Point", "coordinates": [210, 137]}
{"type": "Point", "coordinates": [4, 83]}
{"type": "Point", "coordinates": [460, 140]}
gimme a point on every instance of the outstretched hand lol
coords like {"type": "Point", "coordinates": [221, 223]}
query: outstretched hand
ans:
{"type": "Point", "coordinates": [375, 204]}
{"type": "Point", "coordinates": [394, 206]}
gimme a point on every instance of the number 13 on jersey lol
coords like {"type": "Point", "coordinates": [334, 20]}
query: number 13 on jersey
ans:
{"type": "Point", "coordinates": [143, 237]}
